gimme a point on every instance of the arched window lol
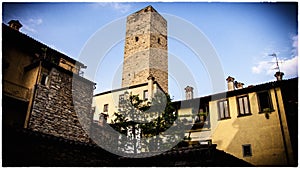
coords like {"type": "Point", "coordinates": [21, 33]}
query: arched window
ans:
{"type": "Point", "coordinates": [136, 39]}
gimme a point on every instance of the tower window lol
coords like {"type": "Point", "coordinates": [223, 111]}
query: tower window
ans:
{"type": "Point", "coordinates": [247, 151]}
{"type": "Point", "coordinates": [44, 80]}
{"type": "Point", "coordinates": [158, 40]}
{"type": "Point", "coordinates": [136, 39]}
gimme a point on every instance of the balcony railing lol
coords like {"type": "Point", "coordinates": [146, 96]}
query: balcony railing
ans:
{"type": "Point", "coordinates": [16, 90]}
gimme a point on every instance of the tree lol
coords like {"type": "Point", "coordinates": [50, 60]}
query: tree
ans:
{"type": "Point", "coordinates": [153, 118]}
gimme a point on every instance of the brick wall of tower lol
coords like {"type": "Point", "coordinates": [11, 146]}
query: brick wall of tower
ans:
{"type": "Point", "coordinates": [145, 49]}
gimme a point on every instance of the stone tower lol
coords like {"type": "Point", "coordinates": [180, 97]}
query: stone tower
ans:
{"type": "Point", "coordinates": [146, 49]}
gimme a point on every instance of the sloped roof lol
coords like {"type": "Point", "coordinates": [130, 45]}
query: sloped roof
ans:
{"type": "Point", "coordinates": [250, 89]}
{"type": "Point", "coordinates": [30, 42]}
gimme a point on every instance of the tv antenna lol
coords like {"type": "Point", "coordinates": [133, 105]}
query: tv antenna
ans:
{"type": "Point", "coordinates": [277, 65]}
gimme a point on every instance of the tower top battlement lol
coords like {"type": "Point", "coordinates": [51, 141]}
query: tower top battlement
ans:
{"type": "Point", "coordinates": [147, 9]}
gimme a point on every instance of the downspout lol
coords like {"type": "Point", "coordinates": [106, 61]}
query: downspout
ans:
{"type": "Point", "coordinates": [281, 127]}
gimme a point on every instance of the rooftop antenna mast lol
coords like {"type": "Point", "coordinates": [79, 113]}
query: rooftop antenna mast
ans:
{"type": "Point", "coordinates": [277, 65]}
{"type": "Point", "coordinates": [278, 74]}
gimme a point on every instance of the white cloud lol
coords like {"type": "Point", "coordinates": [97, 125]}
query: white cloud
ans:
{"type": "Point", "coordinates": [290, 67]}
{"type": "Point", "coordinates": [98, 4]}
{"type": "Point", "coordinates": [29, 29]}
{"type": "Point", "coordinates": [261, 66]}
{"type": "Point", "coordinates": [123, 8]}
{"type": "Point", "coordinates": [287, 65]}
{"type": "Point", "coordinates": [35, 21]}
{"type": "Point", "coordinates": [119, 7]}
{"type": "Point", "coordinates": [31, 24]}
{"type": "Point", "coordinates": [295, 45]}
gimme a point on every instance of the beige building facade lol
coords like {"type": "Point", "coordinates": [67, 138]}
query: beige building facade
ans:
{"type": "Point", "coordinates": [108, 103]}
{"type": "Point", "coordinates": [250, 124]}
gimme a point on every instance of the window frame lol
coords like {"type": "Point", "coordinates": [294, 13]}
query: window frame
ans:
{"type": "Point", "coordinates": [219, 110]}
{"type": "Point", "coordinates": [269, 101]}
{"type": "Point", "coordinates": [121, 100]}
{"type": "Point", "coordinates": [144, 95]}
{"type": "Point", "coordinates": [245, 154]}
{"type": "Point", "coordinates": [105, 107]}
{"type": "Point", "coordinates": [45, 81]}
{"type": "Point", "coordinates": [239, 106]}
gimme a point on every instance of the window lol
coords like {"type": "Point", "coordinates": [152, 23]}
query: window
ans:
{"type": "Point", "coordinates": [136, 39]}
{"type": "Point", "coordinates": [105, 108]}
{"type": "Point", "coordinates": [44, 80]}
{"type": "Point", "coordinates": [223, 109]}
{"type": "Point", "coordinates": [264, 101]}
{"type": "Point", "coordinates": [158, 40]}
{"type": "Point", "coordinates": [247, 151]}
{"type": "Point", "coordinates": [243, 106]}
{"type": "Point", "coordinates": [121, 100]}
{"type": "Point", "coordinates": [145, 94]}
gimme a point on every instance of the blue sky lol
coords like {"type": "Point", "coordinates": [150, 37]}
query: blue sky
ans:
{"type": "Point", "coordinates": [242, 34]}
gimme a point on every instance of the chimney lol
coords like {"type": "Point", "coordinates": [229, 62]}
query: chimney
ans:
{"type": "Point", "coordinates": [279, 75]}
{"type": "Point", "coordinates": [150, 86]}
{"type": "Point", "coordinates": [239, 85]}
{"type": "Point", "coordinates": [189, 94]}
{"type": "Point", "coordinates": [230, 83]}
{"type": "Point", "coordinates": [15, 24]}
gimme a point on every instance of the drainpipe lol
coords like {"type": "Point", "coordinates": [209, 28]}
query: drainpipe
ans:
{"type": "Point", "coordinates": [281, 126]}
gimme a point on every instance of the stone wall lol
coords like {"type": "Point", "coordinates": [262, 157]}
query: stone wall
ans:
{"type": "Point", "coordinates": [62, 107]}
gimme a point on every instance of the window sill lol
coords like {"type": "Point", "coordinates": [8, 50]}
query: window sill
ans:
{"type": "Point", "coordinates": [243, 115]}
{"type": "Point", "coordinates": [245, 156]}
{"type": "Point", "coordinates": [270, 111]}
{"type": "Point", "coordinates": [226, 118]}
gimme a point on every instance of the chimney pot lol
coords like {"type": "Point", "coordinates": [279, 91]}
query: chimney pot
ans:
{"type": "Point", "coordinates": [15, 24]}
{"type": "Point", "coordinates": [150, 87]}
{"type": "Point", "coordinates": [230, 83]}
{"type": "Point", "coordinates": [189, 94]}
{"type": "Point", "coordinates": [239, 85]}
{"type": "Point", "coordinates": [279, 75]}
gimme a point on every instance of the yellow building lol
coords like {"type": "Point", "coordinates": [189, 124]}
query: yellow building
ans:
{"type": "Point", "coordinates": [256, 124]}
{"type": "Point", "coordinates": [109, 102]}
{"type": "Point", "coordinates": [43, 89]}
